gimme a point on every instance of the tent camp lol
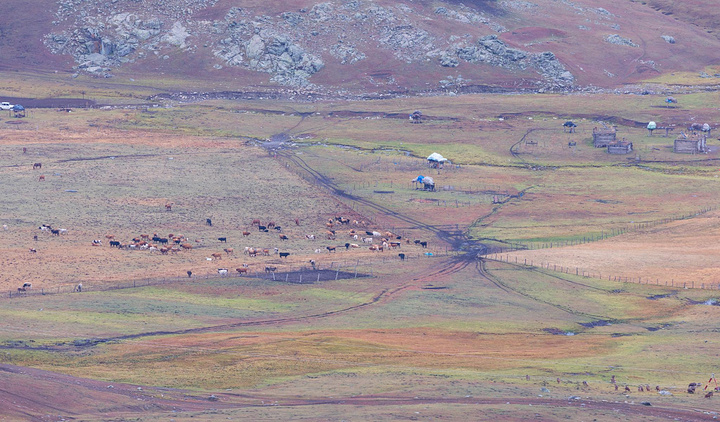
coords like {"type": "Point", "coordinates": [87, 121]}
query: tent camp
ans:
{"type": "Point", "coordinates": [427, 182]}
{"type": "Point", "coordinates": [436, 160]}
{"type": "Point", "coordinates": [18, 110]}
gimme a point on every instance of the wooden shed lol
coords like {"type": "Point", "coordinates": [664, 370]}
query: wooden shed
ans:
{"type": "Point", "coordinates": [690, 144]}
{"type": "Point", "coordinates": [602, 137]}
{"type": "Point", "coordinates": [620, 147]}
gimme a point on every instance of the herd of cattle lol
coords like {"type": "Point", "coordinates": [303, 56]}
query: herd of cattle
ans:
{"type": "Point", "coordinates": [175, 243]}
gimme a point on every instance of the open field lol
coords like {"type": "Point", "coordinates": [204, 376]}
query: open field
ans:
{"type": "Point", "coordinates": [443, 335]}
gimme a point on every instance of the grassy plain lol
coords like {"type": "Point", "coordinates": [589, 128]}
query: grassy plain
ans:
{"type": "Point", "coordinates": [443, 329]}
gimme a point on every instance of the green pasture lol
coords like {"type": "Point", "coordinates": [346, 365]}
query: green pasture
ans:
{"type": "Point", "coordinates": [108, 183]}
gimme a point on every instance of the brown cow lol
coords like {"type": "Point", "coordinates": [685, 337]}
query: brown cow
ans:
{"type": "Point", "coordinates": [168, 206]}
{"type": "Point", "coordinates": [186, 246]}
{"type": "Point", "coordinates": [216, 255]}
{"type": "Point", "coordinates": [256, 222]}
{"type": "Point", "coordinates": [246, 234]}
{"type": "Point", "coordinates": [266, 252]}
{"type": "Point", "coordinates": [283, 237]}
{"type": "Point", "coordinates": [41, 178]}
{"type": "Point", "coordinates": [241, 270]}
{"type": "Point", "coordinates": [229, 251]}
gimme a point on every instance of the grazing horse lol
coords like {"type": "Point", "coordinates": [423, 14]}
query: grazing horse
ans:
{"type": "Point", "coordinates": [37, 166]}
{"type": "Point", "coordinates": [41, 178]}
{"type": "Point", "coordinates": [216, 255]}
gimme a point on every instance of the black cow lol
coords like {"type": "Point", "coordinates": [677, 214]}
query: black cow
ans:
{"type": "Point", "coordinates": [402, 256]}
{"type": "Point", "coordinates": [208, 222]}
{"type": "Point", "coordinates": [155, 239]}
{"type": "Point", "coordinates": [270, 269]}
{"type": "Point", "coordinates": [278, 228]}
{"type": "Point", "coordinates": [189, 273]}
{"type": "Point", "coordinates": [347, 246]}
{"type": "Point", "coordinates": [114, 243]}
{"type": "Point", "coordinates": [262, 228]}
{"type": "Point", "coordinates": [284, 254]}
{"type": "Point", "coordinates": [423, 244]}
{"type": "Point", "coordinates": [369, 233]}
{"type": "Point", "coordinates": [222, 239]}
{"type": "Point", "coordinates": [163, 240]}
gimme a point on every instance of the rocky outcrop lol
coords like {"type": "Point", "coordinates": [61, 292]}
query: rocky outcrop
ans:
{"type": "Point", "coordinates": [493, 51]}
{"type": "Point", "coordinates": [618, 40]}
{"type": "Point", "coordinates": [291, 46]}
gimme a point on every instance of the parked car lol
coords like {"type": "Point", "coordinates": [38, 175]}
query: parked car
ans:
{"type": "Point", "coordinates": [5, 105]}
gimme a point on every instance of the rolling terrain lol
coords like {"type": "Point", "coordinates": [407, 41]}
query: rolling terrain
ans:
{"type": "Point", "coordinates": [211, 212]}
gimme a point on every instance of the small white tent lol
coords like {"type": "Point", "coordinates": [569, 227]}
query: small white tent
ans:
{"type": "Point", "coordinates": [436, 157]}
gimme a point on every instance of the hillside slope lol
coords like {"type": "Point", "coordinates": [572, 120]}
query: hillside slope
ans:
{"type": "Point", "coordinates": [360, 45]}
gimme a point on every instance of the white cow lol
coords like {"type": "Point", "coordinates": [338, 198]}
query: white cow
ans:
{"type": "Point", "coordinates": [222, 271]}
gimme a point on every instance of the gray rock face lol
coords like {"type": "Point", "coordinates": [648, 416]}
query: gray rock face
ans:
{"type": "Point", "coordinates": [618, 40]}
{"type": "Point", "coordinates": [493, 51]}
{"type": "Point", "coordinates": [289, 46]}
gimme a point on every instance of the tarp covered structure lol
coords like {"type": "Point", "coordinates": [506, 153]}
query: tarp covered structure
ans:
{"type": "Point", "coordinates": [436, 157]}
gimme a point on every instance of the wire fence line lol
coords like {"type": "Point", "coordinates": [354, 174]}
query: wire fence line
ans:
{"type": "Point", "coordinates": [293, 274]}
{"type": "Point", "coordinates": [577, 271]}
{"type": "Point", "coordinates": [604, 234]}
